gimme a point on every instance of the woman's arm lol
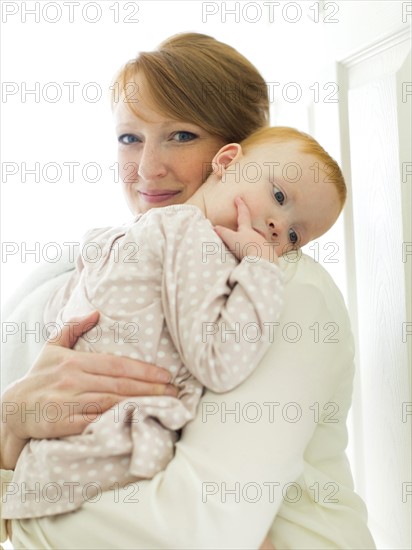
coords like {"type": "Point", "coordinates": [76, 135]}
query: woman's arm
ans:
{"type": "Point", "coordinates": [70, 380]}
{"type": "Point", "coordinates": [224, 486]}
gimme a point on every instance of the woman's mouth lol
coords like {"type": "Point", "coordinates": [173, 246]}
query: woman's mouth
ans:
{"type": "Point", "coordinates": [157, 196]}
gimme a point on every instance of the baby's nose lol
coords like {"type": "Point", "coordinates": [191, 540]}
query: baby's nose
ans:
{"type": "Point", "coordinates": [275, 230]}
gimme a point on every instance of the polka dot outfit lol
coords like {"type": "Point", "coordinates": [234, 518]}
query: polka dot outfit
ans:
{"type": "Point", "coordinates": [170, 293]}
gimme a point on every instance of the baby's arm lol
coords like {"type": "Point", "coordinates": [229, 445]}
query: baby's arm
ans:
{"type": "Point", "coordinates": [245, 236]}
{"type": "Point", "coordinates": [221, 313]}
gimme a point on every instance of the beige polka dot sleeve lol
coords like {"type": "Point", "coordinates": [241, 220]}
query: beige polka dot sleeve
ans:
{"type": "Point", "coordinates": [170, 293]}
{"type": "Point", "coordinates": [221, 313]}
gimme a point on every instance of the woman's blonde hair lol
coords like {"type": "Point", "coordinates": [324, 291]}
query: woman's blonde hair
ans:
{"type": "Point", "coordinates": [328, 167]}
{"type": "Point", "coordinates": [196, 78]}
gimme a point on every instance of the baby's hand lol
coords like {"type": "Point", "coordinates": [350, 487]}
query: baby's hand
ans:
{"type": "Point", "coordinates": [246, 241]}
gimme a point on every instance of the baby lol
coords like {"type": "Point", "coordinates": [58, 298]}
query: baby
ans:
{"type": "Point", "coordinates": [170, 292]}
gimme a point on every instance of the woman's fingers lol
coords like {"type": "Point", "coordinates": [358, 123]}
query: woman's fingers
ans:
{"type": "Point", "coordinates": [74, 415]}
{"type": "Point", "coordinates": [82, 373]}
{"type": "Point", "coordinates": [106, 364]}
{"type": "Point", "coordinates": [124, 367]}
{"type": "Point", "coordinates": [68, 335]}
{"type": "Point", "coordinates": [125, 387]}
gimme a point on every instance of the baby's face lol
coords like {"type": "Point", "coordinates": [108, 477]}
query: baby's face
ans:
{"type": "Point", "coordinates": [291, 200]}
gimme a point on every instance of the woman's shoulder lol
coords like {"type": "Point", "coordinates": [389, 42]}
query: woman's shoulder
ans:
{"type": "Point", "coordinates": [301, 269]}
{"type": "Point", "coordinates": [298, 265]}
{"type": "Point", "coordinates": [309, 287]}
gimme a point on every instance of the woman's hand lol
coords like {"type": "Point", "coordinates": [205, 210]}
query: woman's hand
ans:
{"type": "Point", "coordinates": [65, 390]}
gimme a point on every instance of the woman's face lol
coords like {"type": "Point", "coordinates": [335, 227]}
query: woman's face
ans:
{"type": "Point", "coordinates": [161, 161]}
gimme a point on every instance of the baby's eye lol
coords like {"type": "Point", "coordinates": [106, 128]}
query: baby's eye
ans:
{"type": "Point", "coordinates": [127, 139]}
{"type": "Point", "coordinates": [184, 136]}
{"type": "Point", "coordinates": [293, 237]}
{"type": "Point", "coordinates": [279, 196]}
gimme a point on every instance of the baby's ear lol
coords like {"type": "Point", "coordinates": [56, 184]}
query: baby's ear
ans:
{"type": "Point", "coordinates": [227, 155]}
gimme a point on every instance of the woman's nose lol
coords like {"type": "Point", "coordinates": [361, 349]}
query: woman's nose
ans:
{"type": "Point", "coordinates": [151, 163]}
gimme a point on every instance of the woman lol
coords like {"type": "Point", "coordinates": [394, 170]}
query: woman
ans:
{"type": "Point", "coordinates": [272, 447]}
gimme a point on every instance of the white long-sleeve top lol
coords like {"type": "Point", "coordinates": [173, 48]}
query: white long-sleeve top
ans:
{"type": "Point", "coordinates": [281, 451]}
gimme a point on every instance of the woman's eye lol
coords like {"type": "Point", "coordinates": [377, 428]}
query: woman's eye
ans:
{"type": "Point", "coordinates": [184, 136]}
{"type": "Point", "coordinates": [127, 138]}
{"type": "Point", "coordinates": [293, 236]}
{"type": "Point", "coordinates": [279, 196]}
